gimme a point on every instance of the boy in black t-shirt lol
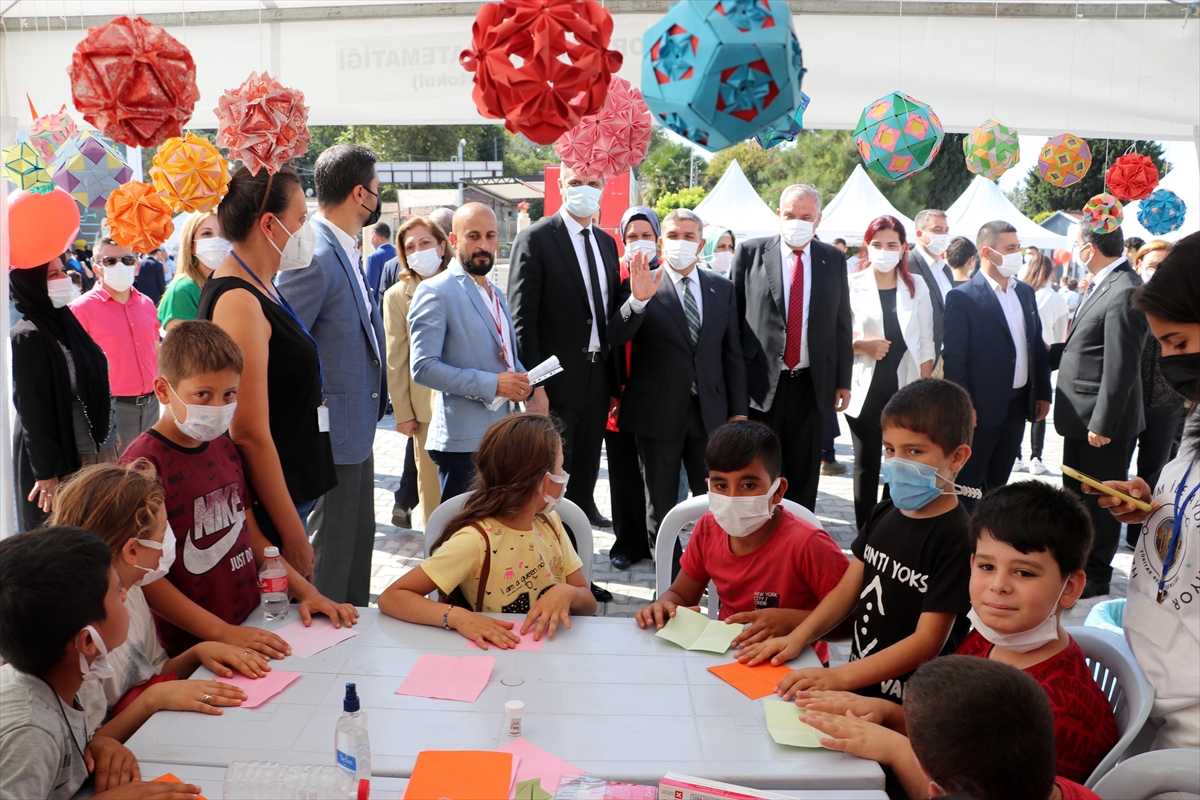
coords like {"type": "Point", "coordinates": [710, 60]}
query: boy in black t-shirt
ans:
{"type": "Point", "coordinates": [907, 586]}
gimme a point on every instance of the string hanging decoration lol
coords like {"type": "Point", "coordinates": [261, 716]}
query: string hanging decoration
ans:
{"type": "Point", "coordinates": [898, 135]}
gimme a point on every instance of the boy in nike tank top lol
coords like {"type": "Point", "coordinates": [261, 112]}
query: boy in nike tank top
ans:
{"type": "Point", "coordinates": [207, 501]}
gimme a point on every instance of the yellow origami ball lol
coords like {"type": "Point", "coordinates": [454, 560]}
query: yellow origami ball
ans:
{"type": "Point", "coordinates": [138, 217]}
{"type": "Point", "coordinates": [24, 166]}
{"type": "Point", "coordinates": [190, 174]}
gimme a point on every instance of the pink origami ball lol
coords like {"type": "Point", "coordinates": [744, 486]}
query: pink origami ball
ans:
{"type": "Point", "coordinates": [613, 141]}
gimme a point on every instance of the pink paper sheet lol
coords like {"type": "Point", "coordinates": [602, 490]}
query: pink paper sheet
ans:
{"type": "Point", "coordinates": [537, 763]}
{"type": "Point", "coordinates": [307, 642]}
{"type": "Point", "coordinates": [260, 690]}
{"type": "Point", "coordinates": [526, 643]}
{"type": "Point", "coordinates": [448, 678]}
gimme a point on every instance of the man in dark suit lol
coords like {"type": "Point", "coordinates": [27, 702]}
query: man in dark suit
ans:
{"type": "Point", "coordinates": [933, 237]}
{"type": "Point", "coordinates": [561, 285]}
{"type": "Point", "coordinates": [151, 279]}
{"type": "Point", "coordinates": [687, 376]}
{"type": "Point", "coordinates": [994, 350]}
{"type": "Point", "coordinates": [1099, 409]}
{"type": "Point", "coordinates": [794, 309]}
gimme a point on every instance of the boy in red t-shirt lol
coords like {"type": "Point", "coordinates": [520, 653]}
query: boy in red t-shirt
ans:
{"type": "Point", "coordinates": [213, 584]}
{"type": "Point", "coordinates": [771, 568]}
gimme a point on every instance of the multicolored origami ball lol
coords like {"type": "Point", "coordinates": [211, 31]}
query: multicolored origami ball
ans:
{"type": "Point", "coordinates": [792, 125]}
{"type": "Point", "coordinates": [1103, 214]}
{"type": "Point", "coordinates": [138, 217]}
{"type": "Point", "coordinates": [721, 71]}
{"type": "Point", "coordinates": [992, 149]}
{"type": "Point", "coordinates": [134, 81]}
{"type": "Point", "coordinates": [1064, 159]}
{"type": "Point", "coordinates": [615, 140]}
{"type": "Point", "coordinates": [49, 131]}
{"type": "Point", "coordinates": [190, 173]}
{"type": "Point", "coordinates": [23, 165]}
{"type": "Point", "coordinates": [88, 169]}
{"type": "Point", "coordinates": [898, 135]}
{"type": "Point", "coordinates": [1132, 177]}
{"type": "Point", "coordinates": [263, 123]}
{"type": "Point", "coordinates": [1162, 212]}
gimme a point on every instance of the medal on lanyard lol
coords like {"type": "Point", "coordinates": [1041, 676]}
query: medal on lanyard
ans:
{"type": "Point", "coordinates": [1176, 527]}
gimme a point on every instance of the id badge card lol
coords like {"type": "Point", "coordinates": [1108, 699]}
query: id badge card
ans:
{"type": "Point", "coordinates": [1151, 621]}
{"type": "Point", "coordinates": [323, 418]}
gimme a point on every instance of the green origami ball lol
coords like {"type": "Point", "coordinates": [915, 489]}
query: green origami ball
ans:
{"type": "Point", "coordinates": [992, 149]}
{"type": "Point", "coordinates": [23, 165]}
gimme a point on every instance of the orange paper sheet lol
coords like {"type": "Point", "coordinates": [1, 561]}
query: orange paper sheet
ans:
{"type": "Point", "coordinates": [460, 775]}
{"type": "Point", "coordinates": [754, 682]}
{"type": "Point", "coordinates": [169, 778]}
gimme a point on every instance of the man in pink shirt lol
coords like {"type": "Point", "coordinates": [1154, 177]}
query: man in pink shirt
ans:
{"type": "Point", "coordinates": [124, 323]}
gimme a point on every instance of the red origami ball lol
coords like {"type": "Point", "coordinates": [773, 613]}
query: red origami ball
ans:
{"type": "Point", "coordinates": [1132, 177]}
{"type": "Point", "coordinates": [134, 81]}
{"type": "Point", "coordinates": [528, 71]}
{"type": "Point", "coordinates": [263, 123]}
{"type": "Point", "coordinates": [615, 140]}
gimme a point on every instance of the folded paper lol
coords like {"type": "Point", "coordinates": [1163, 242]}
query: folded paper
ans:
{"type": "Point", "coordinates": [536, 763]}
{"type": "Point", "coordinates": [190, 173]}
{"type": "Point", "coordinates": [754, 682]}
{"type": "Point", "coordinates": [170, 778]}
{"type": "Point", "coordinates": [1103, 214]}
{"type": "Point", "coordinates": [992, 149]}
{"type": "Point", "coordinates": [789, 130]}
{"type": "Point", "coordinates": [1064, 159]}
{"type": "Point", "coordinates": [138, 217]}
{"type": "Point", "coordinates": [460, 775]}
{"type": "Point", "coordinates": [448, 678]}
{"type": "Point", "coordinates": [49, 131]}
{"type": "Point", "coordinates": [260, 690]}
{"type": "Point", "coordinates": [321, 635]}
{"type": "Point", "coordinates": [693, 631]}
{"type": "Point", "coordinates": [88, 169]}
{"type": "Point", "coordinates": [24, 166]}
{"type": "Point", "coordinates": [1131, 177]}
{"type": "Point", "coordinates": [898, 136]}
{"type": "Point", "coordinates": [613, 141]}
{"type": "Point", "coordinates": [786, 727]}
{"type": "Point", "coordinates": [1162, 212]}
{"type": "Point", "coordinates": [531, 790]}
{"type": "Point", "coordinates": [263, 123]}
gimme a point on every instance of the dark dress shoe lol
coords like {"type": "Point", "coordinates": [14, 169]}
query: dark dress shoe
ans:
{"type": "Point", "coordinates": [402, 517]}
{"type": "Point", "coordinates": [597, 520]}
{"type": "Point", "coordinates": [1094, 589]}
{"type": "Point", "coordinates": [622, 562]}
{"type": "Point", "coordinates": [601, 595]}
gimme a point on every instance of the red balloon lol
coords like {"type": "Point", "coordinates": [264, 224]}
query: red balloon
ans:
{"type": "Point", "coordinates": [40, 226]}
{"type": "Point", "coordinates": [1062, 256]}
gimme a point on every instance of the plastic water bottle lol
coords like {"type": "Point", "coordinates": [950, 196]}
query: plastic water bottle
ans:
{"type": "Point", "coordinates": [272, 585]}
{"type": "Point", "coordinates": [352, 744]}
{"type": "Point", "coordinates": [267, 780]}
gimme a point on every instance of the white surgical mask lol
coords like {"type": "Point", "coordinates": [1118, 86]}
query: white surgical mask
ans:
{"type": "Point", "coordinates": [1010, 264]}
{"type": "Point", "coordinates": [641, 246]}
{"type": "Point", "coordinates": [552, 501]}
{"type": "Point", "coordinates": [204, 423]}
{"type": "Point", "coordinates": [1022, 641]}
{"type": "Point", "coordinates": [298, 252]}
{"type": "Point", "coordinates": [99, 669]}
{"type": "Point", "coordinates": [582, 201]}
{"type": "Point", "coordinates": [61, 291]}
{"type": "Point", "coordinates": [721, 262]}
{"type": "Point", "coordinates": [680, 253]}
{"type": "Point", "coordinates": [884, 260]}
{"type": "Point", "coordinates": [212, 251]}
{"type": "Point", "coordinates": [1076, 250]}
{"type": "Point", "coordinates": [796, 232]}
{"type": "Point", "coordinates": [938, 242]}
{"type": "Point", "coordinates": [741, 516]}
{"type": "Point", "coordinates": [119, 277]}
{"type": "Point", "coordinates": [424, 262]}
{"type": "Point", "coordinates": [167, 546]}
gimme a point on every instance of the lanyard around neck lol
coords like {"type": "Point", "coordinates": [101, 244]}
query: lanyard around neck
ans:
{"type": "Point", "coordinates": [1176, 527]}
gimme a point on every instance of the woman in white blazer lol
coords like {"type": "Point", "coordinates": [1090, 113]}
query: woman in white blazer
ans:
{"type": "Point", "coordinates": [893, 346]}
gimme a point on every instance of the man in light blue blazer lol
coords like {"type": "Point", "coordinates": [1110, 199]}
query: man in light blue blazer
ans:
{"type": "Point", "coordinates": [332, 300]}
{"type": "Point", "coordinates": [464, 348]}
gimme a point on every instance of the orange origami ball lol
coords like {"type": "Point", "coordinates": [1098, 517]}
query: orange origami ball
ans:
{"type": "Point", "coordinates": [190, 174]}
{"type": "Point", "coordinates": [138, 217]}
{"type": "Point", "coordinates": [1132, 177]}
{"type": "Point", "coordinates": [134, 81]}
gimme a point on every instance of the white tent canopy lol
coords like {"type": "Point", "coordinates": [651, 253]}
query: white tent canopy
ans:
{"type": "Point", "coordinates": [983, 202]}
{"type": "Point", "coordinates": [734, 204]}
{"type": "Point", "coordinates": [851, 210]}
{"type": "Point", "coordinates": [1186, 184]}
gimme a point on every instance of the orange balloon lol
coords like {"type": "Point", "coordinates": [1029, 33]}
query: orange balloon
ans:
{"type": "Point", "coordinates": [40, 226]}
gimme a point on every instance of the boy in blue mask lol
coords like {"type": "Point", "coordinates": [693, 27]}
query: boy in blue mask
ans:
{"type": "Point", "coordinates": [907, 586]}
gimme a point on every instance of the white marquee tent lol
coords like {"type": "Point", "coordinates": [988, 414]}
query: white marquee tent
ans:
{"type": "Point", "coordinates": [1186, 184]}
{"type": "Point", "coordinates": [983, 202]}
{"type": "Point", "coordinates": [734, 204]}
{"type": "Point", "coordinates": [858, 202]}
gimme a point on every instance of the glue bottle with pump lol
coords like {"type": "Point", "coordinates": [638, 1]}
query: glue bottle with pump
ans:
{"type": "Point", "coordinates": [353, 745]}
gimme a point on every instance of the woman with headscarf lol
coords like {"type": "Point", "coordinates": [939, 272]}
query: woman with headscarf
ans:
{"type": "Point", "coordinates": [65, 411]}
{"type": "Point", "coordinates": [717, 254]}
{"type": "Point", "coordinates": [639, 232]}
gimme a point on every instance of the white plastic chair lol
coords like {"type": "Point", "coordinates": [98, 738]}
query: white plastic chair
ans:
{"type": "Point", "coordinates": [1152, 774]}
{"type": "Point", "coordinates": [571, 514]}
{"type": "Point", "coordinates": [1120, 678]}
{"type": "Point", "coordinates": [672, 526]}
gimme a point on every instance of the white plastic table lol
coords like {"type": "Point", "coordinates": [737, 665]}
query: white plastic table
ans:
{"type": "Point", "coordinates": [606, 696]}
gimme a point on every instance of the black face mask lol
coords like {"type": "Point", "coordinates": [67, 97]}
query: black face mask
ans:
{"type": "Point", "coordinates": [1183, 373]}
{"type": "Point", "coordinates": [375, 213]}
{"type": "Point", "coordinates": [472, 266]}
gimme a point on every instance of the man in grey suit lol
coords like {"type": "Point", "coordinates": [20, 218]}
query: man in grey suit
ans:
{"type": "Point", "coordinates": [933, 237]}
{"type": "Point", "coordinates": [332, 300]}
{"type": "Point", "coordinates": [1098, 406]}
{"type": "Point", "coordinates": [464, 348]}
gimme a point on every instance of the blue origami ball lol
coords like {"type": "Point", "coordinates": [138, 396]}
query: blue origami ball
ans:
{"type": "Point", "coordinates": [721, 71]}
{"type": "Point", "coordinates": [792, 125]}
{"type": "Point", "coordinates": [1162, 212]}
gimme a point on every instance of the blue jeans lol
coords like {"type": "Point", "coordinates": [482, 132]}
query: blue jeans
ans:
{"type": "Point", "coordinates": [267, 526]}
{"type": "Point", "coordinates": [456, 472]}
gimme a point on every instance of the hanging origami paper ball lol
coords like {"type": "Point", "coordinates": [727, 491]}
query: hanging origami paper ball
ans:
{"type": "Point", "coordinates": [88, 169]}
{"type": "Point", "coordinates": [138, 217]}
{"type": "Point", "coordinates": [720, 71]}
{"type": "Point", "coordinates": [41, 226]}
{"type": "Point", "coordinates": [134, 81]}
{"type": "Point", "coordinates": [612, 142]}
{"type": "Point", "coordinates": [1162, 212]}
{"type": "Point", "coordinates": [1064, 159]}
{"type": "Point", "coordinates": [49, 131]}
{"type": "Point", "coordinates": [1103, 214]}
{"type": "Point", "coordinates": [23, 165]}
{"type": "Point", "coordinates": [898, 135]}
{"type": "Point", "coordinates": [190, 173]}
{"type": "Point", "coordinates": [1132, 177]}
{"type": "Point", "coordinates": [992, 149]}
{"type": "Point", "coordinates": [792, 125]}
{"type": "Point", "coordinates": [263, 123]}
{"type": "Point", "coordinates": [530, 73]}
